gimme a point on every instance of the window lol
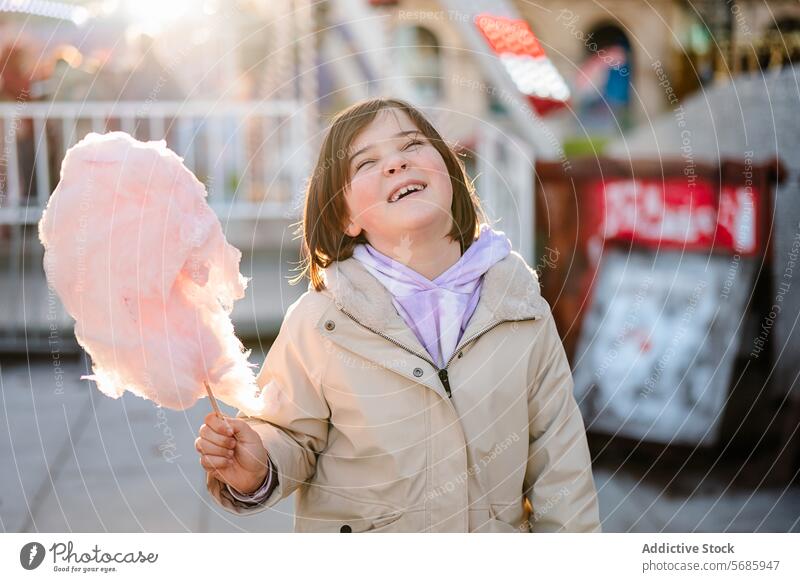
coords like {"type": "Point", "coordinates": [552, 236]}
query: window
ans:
{"type": "Point", "coordinates": [419, 61]}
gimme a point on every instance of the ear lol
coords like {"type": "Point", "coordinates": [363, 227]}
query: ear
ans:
{"type": "Point", "coordinates": [353, 229]}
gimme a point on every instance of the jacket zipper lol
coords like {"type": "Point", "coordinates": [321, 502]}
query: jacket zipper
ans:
{"type": "Point", "coordinates": [442, 372]}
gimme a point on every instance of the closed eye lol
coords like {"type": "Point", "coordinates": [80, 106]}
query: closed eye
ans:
{"type": "Point", "coordinates": [405, 147]}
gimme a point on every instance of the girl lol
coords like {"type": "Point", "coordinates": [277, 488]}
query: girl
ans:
{"type": "Point", "coordinates": [419, 384]}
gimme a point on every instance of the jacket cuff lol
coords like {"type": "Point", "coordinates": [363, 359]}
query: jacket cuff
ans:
{"type": "Point", "coordinates": [260, 494]}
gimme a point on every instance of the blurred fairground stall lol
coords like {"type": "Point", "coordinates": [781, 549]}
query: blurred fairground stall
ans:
{"type": "Point", "coordinates": [672, 245]}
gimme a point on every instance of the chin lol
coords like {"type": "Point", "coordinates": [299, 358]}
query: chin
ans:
{"type": "Point", "coordinates": [423, 217]}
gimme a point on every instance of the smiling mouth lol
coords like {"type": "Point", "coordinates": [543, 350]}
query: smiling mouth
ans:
{"type": "Point", "coordinates": [407, 191]}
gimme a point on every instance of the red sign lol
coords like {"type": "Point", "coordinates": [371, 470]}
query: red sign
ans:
{"type": "Point", "coordinates": [676, 213]}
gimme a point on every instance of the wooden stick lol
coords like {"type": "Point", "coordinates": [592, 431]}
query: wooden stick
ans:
{"type": "Point", "coordinates": [215, 406]}
{"type": "Point", "coordinates": [213, 400]}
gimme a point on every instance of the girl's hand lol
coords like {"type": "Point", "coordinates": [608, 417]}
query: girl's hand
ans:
{"type": "Point", "coordinates": [231, 451]}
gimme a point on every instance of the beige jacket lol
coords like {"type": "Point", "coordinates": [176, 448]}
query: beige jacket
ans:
{"type": "Point", "coordinates": [373, 437]}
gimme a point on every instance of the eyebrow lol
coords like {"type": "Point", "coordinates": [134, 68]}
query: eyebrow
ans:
{"type": "Point", "coordinates": [400, 134]}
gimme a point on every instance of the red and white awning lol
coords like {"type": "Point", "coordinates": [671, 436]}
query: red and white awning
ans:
{"type": "Point", "coordinates": [524, 59]}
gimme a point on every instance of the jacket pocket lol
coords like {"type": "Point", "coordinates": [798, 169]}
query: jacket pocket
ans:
{"type": "Point", "coordinates": [322, 510]}
{"type": "Point", "coordinates": [382, 523]}
{"type": "Point", "coordinates": [510, 514]}
{"type": "Point", "coordinates": [385, 522]}
{"type": "Point", "coordinates": [497, 518]}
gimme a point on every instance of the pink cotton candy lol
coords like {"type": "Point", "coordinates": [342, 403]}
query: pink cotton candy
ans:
{"type": "Point", "coordinates": [140, 262]}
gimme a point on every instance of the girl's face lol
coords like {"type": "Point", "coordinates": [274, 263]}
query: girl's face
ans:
{"type": "Point", "coordinates": [388, 155]}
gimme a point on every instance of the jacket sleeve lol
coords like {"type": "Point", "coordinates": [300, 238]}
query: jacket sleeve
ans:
{"type": "Point", "coordinates": [558, 477]}
{"type": "Point", "coordinates": [260, 494]}
{"type": "Point", "coordinates": [294, 426]}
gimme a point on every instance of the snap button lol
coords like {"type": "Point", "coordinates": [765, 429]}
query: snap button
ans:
{"type": "Point", "coordinates": [345, 529]}
{"type": "Point", "coordinates": [329, 325]}
{"type": "Point", "coordinates": [417, 372]}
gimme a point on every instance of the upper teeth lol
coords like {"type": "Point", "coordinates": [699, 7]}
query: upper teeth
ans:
{"type": "Point", "coordinates": [406, 189]}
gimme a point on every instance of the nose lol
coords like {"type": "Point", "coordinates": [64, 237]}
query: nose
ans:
{"type": "Point", "coordinates": [394, 165]}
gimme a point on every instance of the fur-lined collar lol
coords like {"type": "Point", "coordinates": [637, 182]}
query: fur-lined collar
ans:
{"type": "Point", "coordinates": [510, 292]}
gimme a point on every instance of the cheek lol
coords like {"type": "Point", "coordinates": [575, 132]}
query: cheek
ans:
{"type": "Point", "coordinates": [437, 169]}
{"type": "Point", "coordinates": [362, 194]}
{"type": "Point", "coordinates": [435, 166]}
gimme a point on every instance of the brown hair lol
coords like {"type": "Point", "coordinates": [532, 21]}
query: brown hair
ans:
{"type": "Point", "coordinates": [325, 215]}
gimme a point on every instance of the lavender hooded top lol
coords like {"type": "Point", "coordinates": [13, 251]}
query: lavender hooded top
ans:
{"type": "Point", "coordinates": [438, 311]}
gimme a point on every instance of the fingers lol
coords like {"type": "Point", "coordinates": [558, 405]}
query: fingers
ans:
{"type": "Point", "coordinates": [206, 447]}
{"type": "Point", "coordinates": [217, 438]}
{"type": "Point", "coordinates": [213, 462]}
{"type": "Point", "coordinates": [219, 425]}
{"type": "Point", "coordinates": [208, 434]}
{"type": "Point", "coordinates": [238, 426]}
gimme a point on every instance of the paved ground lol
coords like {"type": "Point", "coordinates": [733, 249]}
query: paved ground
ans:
{"type": "Point", "coordinates": [75, 460]}
{"type": "Point", "coordinates": [628, 504]}
{"type": "Point", "coordinates": [82, 462]}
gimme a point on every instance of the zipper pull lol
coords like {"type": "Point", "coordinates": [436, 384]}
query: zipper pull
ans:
{"type": "Point", "coordinates": [445, 381]}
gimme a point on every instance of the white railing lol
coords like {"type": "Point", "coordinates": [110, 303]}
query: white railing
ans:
{"type": "Point", "coordinates": [252, 156]}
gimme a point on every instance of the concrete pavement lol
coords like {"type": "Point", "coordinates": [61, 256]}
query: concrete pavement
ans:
{"type": "Point", "coordinates": [75, 460]}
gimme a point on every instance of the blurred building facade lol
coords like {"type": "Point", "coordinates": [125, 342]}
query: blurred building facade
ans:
{"type": "Point", "coordinates": [243, 92]}
{"type": "Point", "coordinates": [619, 55]}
